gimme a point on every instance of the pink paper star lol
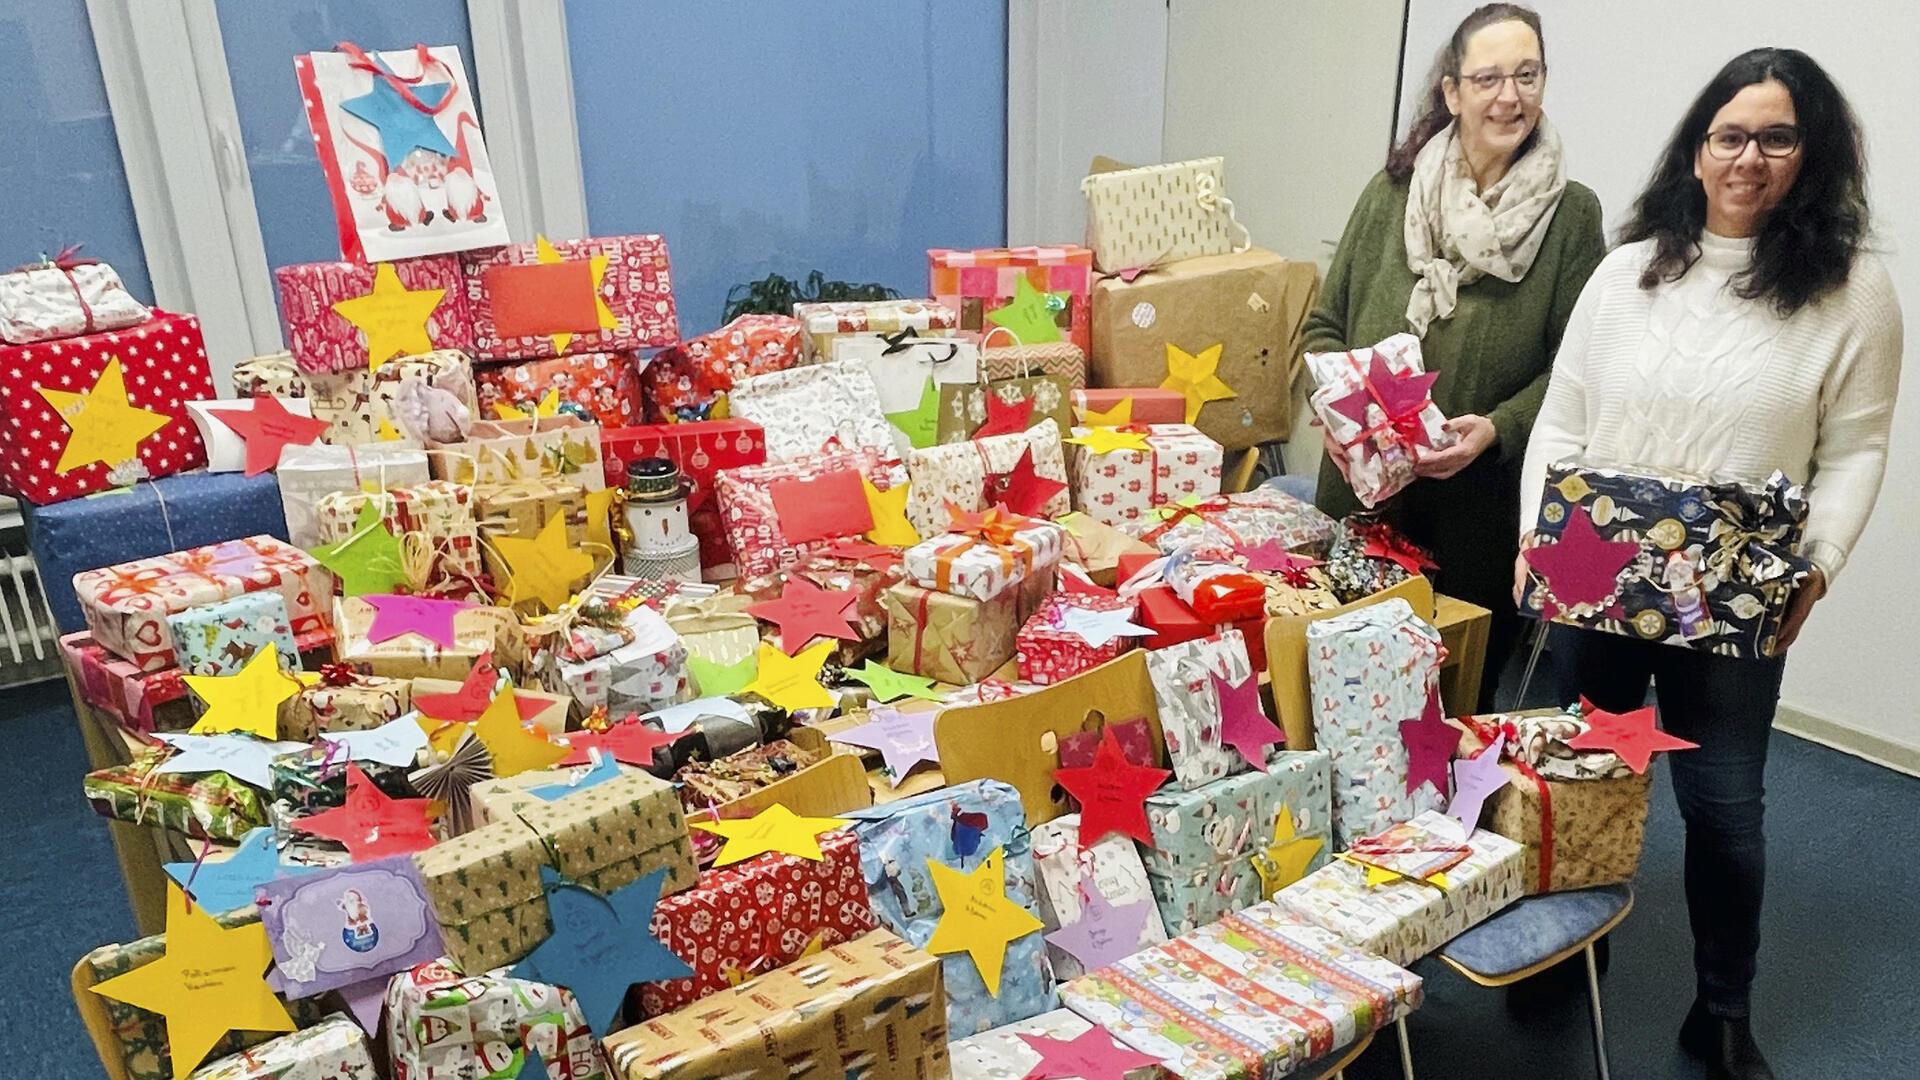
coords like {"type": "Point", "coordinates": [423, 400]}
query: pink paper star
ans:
{"type": "Point", "coordinates": [1272, 557]}
{"type": "Point", "coordinates": [1242, 725]}
{"type": "Point", "coordinates": [1430, 743]}
{"type": "Point", "coordinates": [1093, 1055]}
{"type": "Point", "coordinates": [1581, 569]}
{"type": "Point", "coordinates": [1399, 394]}
{"type": "Point", "coordinates": [1474, 779]}
{"type": "Point", "coordinates": [396, 615]}
{"type": "Point", "coordinates": [1005, 418]}
{"type": "Point", "coordinates": [805, 611]}
{"type": "Point", "coordinates": [1631, 735]}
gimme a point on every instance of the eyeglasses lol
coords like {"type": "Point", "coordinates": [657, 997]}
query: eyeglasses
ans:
{"type": "Point", "coordinates": [1778, 141]}
{"type": "Point", "coordinates": [1527, 80]}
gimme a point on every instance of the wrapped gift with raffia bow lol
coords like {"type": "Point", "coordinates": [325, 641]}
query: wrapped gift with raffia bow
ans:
{"type": "Point", "coordinates": [443, 1023]}
{"type": "Point", "coordinates": [1376, 403]}
{"type": "Point", "coordinates": [344, 701]}
{"type": "Point", "coordinates": [986, 554]}
{"type": "Point", "coordinates": [717, 628]}
{"type": "Point", "coordinates": [434, 520]}
{"type": "Point", "coordinates": [956, 474]}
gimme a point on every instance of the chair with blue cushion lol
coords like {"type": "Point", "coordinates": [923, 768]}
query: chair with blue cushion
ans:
{"type": "Point", "coordinates": [1539, 932]}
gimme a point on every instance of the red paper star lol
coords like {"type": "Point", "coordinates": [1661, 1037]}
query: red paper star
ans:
{"type": "Point", "coordinates": [267, 428]}
{"type": "Point", "coordinates": [1112, 792]}
{"type": "Point", "coordinates": [879, 556]}
{"type": "Point", "coordinates": [1430, 743]}
{"type": "Point", "coordinates": [1631, 735]}
{"type": "Point", "coordinates": [476, 692]}
{"type": "Point", "coordinates": [1004, 418]}
{"type": "Point", "coordinates": [1092, 1055]}
{"type": "Point", "coordinates": [371, 824]}
{"type": "Point", "coordinates": [1399, 394]}
{"type": "Point", "coordinates": [1581, 569]}
{"type": "Point", "coordinates": [1075, 580]}
{"type": "Point", "coordinates": [1021, 489]}
{"type": "Point", "coordinates": [629, 741]}
{"type": "Point", "coordinates": [805, 611]}
{"type": "Point", "coordinates": [1272, 557]}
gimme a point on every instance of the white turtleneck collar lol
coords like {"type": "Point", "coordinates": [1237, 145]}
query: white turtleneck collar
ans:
{"type": "Point", "coordinates": [1725, 254]}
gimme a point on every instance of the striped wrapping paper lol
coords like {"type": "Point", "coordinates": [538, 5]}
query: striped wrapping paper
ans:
{"type": "Point", "coordinates": [975, 282]}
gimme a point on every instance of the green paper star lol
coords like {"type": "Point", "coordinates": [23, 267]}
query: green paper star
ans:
{"type": "Point", "coordinates": [1029, 315]}
{"type": "Point", "coordinates": [1187, 502]}
{"type": "Point", "coordinates": [719, 680]}
{"type": "Point", "coordinates": [921, 423]}
{"type": "Point", "coordinates": [889, 685]}
{"type": "Point", "coordinates": [368, 561]}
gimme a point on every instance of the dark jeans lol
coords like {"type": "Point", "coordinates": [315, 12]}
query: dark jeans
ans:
{"type": "Point", "coordinates": [1726, 705]}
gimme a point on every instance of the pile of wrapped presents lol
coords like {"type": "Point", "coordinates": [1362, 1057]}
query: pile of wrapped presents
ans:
{"type": "Point", "coordinates": [884, 689]}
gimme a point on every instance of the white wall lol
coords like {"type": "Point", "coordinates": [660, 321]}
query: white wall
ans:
{"type": "Point", "coordinates": [1620, 74]}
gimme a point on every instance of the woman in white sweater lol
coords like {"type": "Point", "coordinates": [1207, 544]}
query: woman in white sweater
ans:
{"type": "Point", "coordinates": [1741, 327]}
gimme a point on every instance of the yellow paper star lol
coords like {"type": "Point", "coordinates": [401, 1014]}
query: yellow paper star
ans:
{"type": "Point", "coordinates": [1284, 861]}
{"type": "Point", "coordinates": [515, 749]}
{"type": "Point", "coordinates": [1118, 416]}
{"type": "Point", "coordinates": [597, 266]}
{"type": "Point", "coordinates": [1381, 875]}
{"type": "Point", "coordinates": [211, 980]}
{"type": "Point", "coordinates": [600, 526]}
{"type": "Point", "coordinates": [248, 700]}
{"type": "Point", "coordinates": [1105, 440]}
{"type": "Point", "coordinates": [104, 426]}
{"type": "Point", "coordinates": [549, 405]}
{"type": "Point", "coordinates": [977, 918]}
{"type": "Point", "coordinates": [386, 432]}
{"type": "Point", "coordinates": [774, 829]}
{"type": "Point", "coordinates": [392, 316]}
{"type": "Point", "coordinates": [889, 510]}
{"type": "Point", "coordinates": [793, 682]}
{"type": "Point", "coordinates": [544, 569]}
{"type": "Point", "coordinates": [1194, 377]}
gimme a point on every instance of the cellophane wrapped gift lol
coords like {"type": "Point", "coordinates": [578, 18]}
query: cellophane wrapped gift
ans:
{"type": "Point", "coordinates": [564, 448]}
{"type": "Point", "coordinates": [1242, 520]}
{"type": "Point", "coordinates": [606, 384]}
{"type": "Point", "coordinates": [322, 339]}
{"type": "Point", "coordinates": [309, 473]}
{"type": "Point", "coordinates": [602, 294]}
{"type": "Point", "coordinates": [871, 1007]}
{"type": "Point", "coordinates": [752, 499]}
{"type": "Point", "coordinates": [1717, 560]}
{"type": "Point", "coordinates": [220, 638]}
{"type": "Point", "coordinates": [645, 671]}
{"type": "Point", "coordinates": [1122, 486]}
{"type": "Point", "coordinates": [731, 776]}
{"type": "Point", "coordinates": [212, 804]}
{"type": "Point", "coordinates": [314, 778]}
{"type": "Point", "coordinates": [983, 563]}
{"type": "Point", "coordinates": [127, 605]}
{"type": "Point", "coordinates": [139, 700]}
{"type": "Point", "coordinates": [1370, 670]}
{"type": "Point", "coordinates": [815, 409]}
{"type": "Point", "coordinates": [821, 324]}
{"type": "Point", "coordinates": [952, 639]}
{"type": "Point", "coordinates": [741, 921]}
{"type": "Point", "coordinates": [1404, 919]}
{"type": "Point", "coordinates": [439, 512]}
{"type": "Point", "coordinates": [1373, 403]}
{"type": "Point", "coordinates": [476, 630]}
{"type": "Point", "coordinates": [1581, 815]}
{"type": "Point", "coordinates": [356, 402]}
{"type": "Point", "coordinates": [1363, 559]}
{"type": "Point", "coordinates": [445, 1024]}
{"type": "Point", "coordinates": [1110, 867]}
{"type": "Point", "coordinates": [1050, 653]}
{"type": "Point", "coordinates": [1201, 863]}
{"type": "Point", "coordinates": [957, 827]}
{"type": "Point", "coordinates": [1062, 359]}
{"type": "Point", "coordinates": [1190, 710]}
{"type": "Point", "coordinates": [981, 281]}
{"type": "Point", "coordinates": [141, 1036]}
{"type": "Point", "coordinates": [485, 885]}
{"type": "Point", "coordinates": [700, 449]}
{"type": "Point", "coordinates": [685, 382]}
{"type": "Point", "coordinates": [1254, 996]}
{"type": "Point", "coordinates": [957, 474]}
{"type": "Point", "coordinates": [333, 1049]}
{"type": "Point", "coordinates": [867, 581]}
{"type": "Point", "coordinates": [64, 297]}
{"type": "Point", "coordinates": [1001, 1054]}
{"type": "Point", "coordinates": [344, 701]}
{"type": "Point", "coordinates": [715, 628]}
{"type": "Point", "coordinates": [161, 364]}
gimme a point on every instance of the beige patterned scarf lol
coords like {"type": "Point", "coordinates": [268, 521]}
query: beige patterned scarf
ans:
{"type": "Point", "coordinates": [1456, 234]}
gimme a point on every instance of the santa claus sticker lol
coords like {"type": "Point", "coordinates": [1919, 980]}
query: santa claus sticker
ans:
{"type": "Point", "coordinates": [399, 142]}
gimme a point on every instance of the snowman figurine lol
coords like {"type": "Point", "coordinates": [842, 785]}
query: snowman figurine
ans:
{"type": "Point", "coordinates": [663, 547]}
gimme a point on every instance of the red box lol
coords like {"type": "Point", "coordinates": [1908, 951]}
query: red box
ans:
{"type": "Point", "coordinates": [700, 450]}
{"type": "Point", "coordinates": [1151, 405]}
{"type": "Point", "coordinates": [1048, 654]}
{"type": "Point", "coordinates": [321, 339]}
{"type": "Point", "coordinates": [163, 365]}
{"type": "Point", "coordinates": [747, 919]}
{"type": "Point", "coordinates": [1172, 621]}
{"type": "Point", "coordinates": [526, 308]}
{"type": "Point", "coordinates": [607, 385]}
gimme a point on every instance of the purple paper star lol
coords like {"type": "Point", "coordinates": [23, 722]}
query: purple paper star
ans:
{"type": "Point", "coordinates": [1474, 779]}
{"type": "Point", "coordinates": [396, 615]}
{"type": "Point", "coordinates": [365, 1000]}
{"type": "Point", "coordinates": [1242, 725]}
{"type": "Point", "coordinates": [1430, 743]}
{"type": "Point", "coordinates": [904, 739]}
{"type": "Point", "coordinates": [1103, 933]}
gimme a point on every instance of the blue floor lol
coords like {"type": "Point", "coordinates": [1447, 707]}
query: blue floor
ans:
{"type": "Point", "coordinates": [1841, 942]}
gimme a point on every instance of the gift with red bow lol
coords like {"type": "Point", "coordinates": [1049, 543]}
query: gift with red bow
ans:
{"type": "Point", "coordinates": [1377, 403]}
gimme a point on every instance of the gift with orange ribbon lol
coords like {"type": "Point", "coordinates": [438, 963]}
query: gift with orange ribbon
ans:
{"type": "Point", "coordinates": [987, 553]}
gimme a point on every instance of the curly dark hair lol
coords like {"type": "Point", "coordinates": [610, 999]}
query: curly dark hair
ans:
{"type": "Point", "coordinates": [1434, 116]}
{"type": "Point", "coordinates": [1807, 243]}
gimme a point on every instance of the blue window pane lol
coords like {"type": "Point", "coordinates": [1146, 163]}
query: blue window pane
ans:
{"type": "Point", "coordinates": [289, 192]}
{"type": "Point", "coordinates": [61, 169]}
{"type": "Point", "coordinates": [786, 137]}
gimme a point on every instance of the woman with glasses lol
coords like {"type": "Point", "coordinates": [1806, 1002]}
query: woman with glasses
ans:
{"type": "Point", "coordinates": [1742, 327]}
{"type": "Point", "coordinates": [1474, 239]}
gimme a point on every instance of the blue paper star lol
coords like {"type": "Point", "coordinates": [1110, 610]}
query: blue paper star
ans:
{"type": "Point", "coordinates": [402, 127]}
{"type": "Point", "coordinates": [605, 767]}
{"type": "Point", "coordinates": [532, 1068]}
{"type": "Point", "coordinates": [223, 886]}
{"type": "Point", "coordinates": [600, 945]}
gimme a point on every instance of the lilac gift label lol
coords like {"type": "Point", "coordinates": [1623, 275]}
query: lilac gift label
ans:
{"type": "Point", "coordinates": [346, 925]}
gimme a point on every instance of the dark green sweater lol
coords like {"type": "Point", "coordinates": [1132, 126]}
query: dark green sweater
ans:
{"type": "Point", "coordinates": [1493, 354]}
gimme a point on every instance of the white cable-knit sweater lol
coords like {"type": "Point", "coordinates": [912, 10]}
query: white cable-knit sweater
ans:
{"type": "Point", "coordinates": [1689, 377]}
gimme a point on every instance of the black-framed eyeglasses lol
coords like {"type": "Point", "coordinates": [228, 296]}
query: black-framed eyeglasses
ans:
{"type": "Point", "coordinates": [1775, 141]}
{"type": "Point", "coordinates": [1527, 79]}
